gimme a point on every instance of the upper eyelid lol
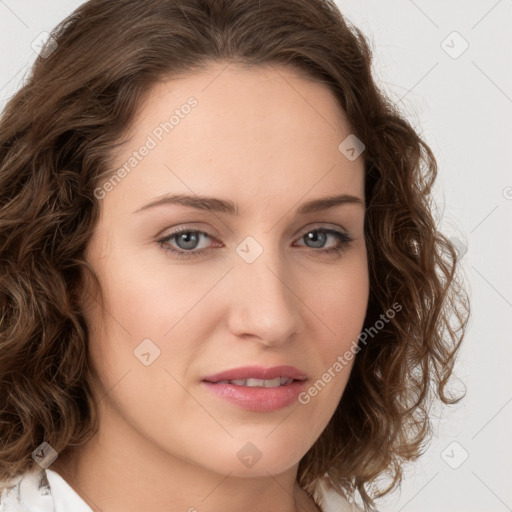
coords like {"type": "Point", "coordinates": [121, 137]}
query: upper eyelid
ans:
{"type": "Point", "coordinates": [314, 227]}
{"type": "Point", "coordinates": [311, 227]}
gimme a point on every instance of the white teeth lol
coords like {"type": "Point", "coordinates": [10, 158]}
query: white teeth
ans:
{"type": "Point", "coordinates": [262, 383]}
{"type": "Point", "coordinates": [252, 383]}
{"type": "Point", "coordinates": [273, 383]}
{"type": "Point", "coordinates": [238, 382]}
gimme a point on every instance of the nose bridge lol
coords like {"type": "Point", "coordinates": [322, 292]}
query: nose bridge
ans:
{"type": "Point", "coordinates": [263, 302]}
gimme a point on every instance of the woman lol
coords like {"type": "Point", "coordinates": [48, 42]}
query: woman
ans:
{"type": "Point", "coordinates": [222, 285]}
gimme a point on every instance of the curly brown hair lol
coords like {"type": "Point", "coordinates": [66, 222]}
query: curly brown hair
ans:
{"type": "Point", "coordinates": [57, 136]}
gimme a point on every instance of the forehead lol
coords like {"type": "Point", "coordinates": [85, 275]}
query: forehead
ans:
{"type": "Point", "coordinates": [263, 99]}
{"type": "Point", "coordinates": [266, 130]}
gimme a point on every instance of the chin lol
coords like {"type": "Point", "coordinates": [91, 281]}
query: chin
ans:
{"type": "Point", "coordinates": [259, 459]}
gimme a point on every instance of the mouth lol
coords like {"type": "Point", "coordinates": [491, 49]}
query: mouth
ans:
{"type": "Point", "coordinates": [258, 389]}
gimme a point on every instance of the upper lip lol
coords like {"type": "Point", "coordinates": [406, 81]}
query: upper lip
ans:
{"type": "Point", "coordinates": [258, 372]}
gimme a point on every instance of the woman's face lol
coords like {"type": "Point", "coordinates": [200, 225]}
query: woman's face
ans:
{"type": "Point", "coordinates": [257, 282]}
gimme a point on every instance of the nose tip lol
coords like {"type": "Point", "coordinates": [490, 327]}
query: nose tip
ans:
{"type": "Point", "coordinates": [264, 304]}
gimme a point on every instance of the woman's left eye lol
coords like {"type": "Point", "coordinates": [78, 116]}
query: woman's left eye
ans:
{"type": "Point", "coordinates": [188, 241]}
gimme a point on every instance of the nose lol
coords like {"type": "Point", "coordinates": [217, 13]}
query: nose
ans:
{"type": "Point", "coordinates": [264, 300]}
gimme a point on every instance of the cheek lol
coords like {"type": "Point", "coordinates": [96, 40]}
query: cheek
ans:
{"type": "Point", "coordinates": [147, 298]}
{"type": "Point", "coordinates": [167, 306]}
{"type": "Point", "coordinates": [343, 305]}
{"type": "Point", "coordinates": [342, 300]}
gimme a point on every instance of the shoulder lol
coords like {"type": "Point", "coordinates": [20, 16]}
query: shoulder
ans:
{"type": "Point", "coordinates": [39, 490]}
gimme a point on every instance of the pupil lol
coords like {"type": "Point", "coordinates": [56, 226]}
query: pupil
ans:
{"type": "Point", "coordinates": [317, 236]}
{"type": "Point", "coordinates": [190, 240]}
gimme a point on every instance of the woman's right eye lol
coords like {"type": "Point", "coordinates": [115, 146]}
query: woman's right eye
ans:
{"type": "Point", "coordinates": [187, 241]}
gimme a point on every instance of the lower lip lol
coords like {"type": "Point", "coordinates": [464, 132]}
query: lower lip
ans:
{"type": "Point", "coordinates": [257, 398]}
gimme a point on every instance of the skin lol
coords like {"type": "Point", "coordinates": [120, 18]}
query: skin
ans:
{"type": "Point", "coordinates": [266, 138]}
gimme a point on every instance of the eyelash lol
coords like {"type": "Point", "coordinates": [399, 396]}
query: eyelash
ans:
{"type": "Point", "coordinates": [344, 238]}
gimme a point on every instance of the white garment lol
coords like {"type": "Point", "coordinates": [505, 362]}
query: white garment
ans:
{"type": "Point", "coordinates": [44, 490]}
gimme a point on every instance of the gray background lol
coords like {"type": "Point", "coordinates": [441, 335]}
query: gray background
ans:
{"type": "Point", "coordinates": [462, 106]}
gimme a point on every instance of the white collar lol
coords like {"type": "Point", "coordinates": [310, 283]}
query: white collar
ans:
{"type": "Point", "coordinates": [44, 490]}
{"type": "Point", "coordinates": [41, 490]}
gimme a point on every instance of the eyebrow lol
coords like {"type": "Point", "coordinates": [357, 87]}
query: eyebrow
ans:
{"type": "Point", "coordinates": [214, 204]}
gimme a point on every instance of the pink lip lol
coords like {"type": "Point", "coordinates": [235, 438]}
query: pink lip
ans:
{"type": "Point", "coordinates": [258, 399]}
